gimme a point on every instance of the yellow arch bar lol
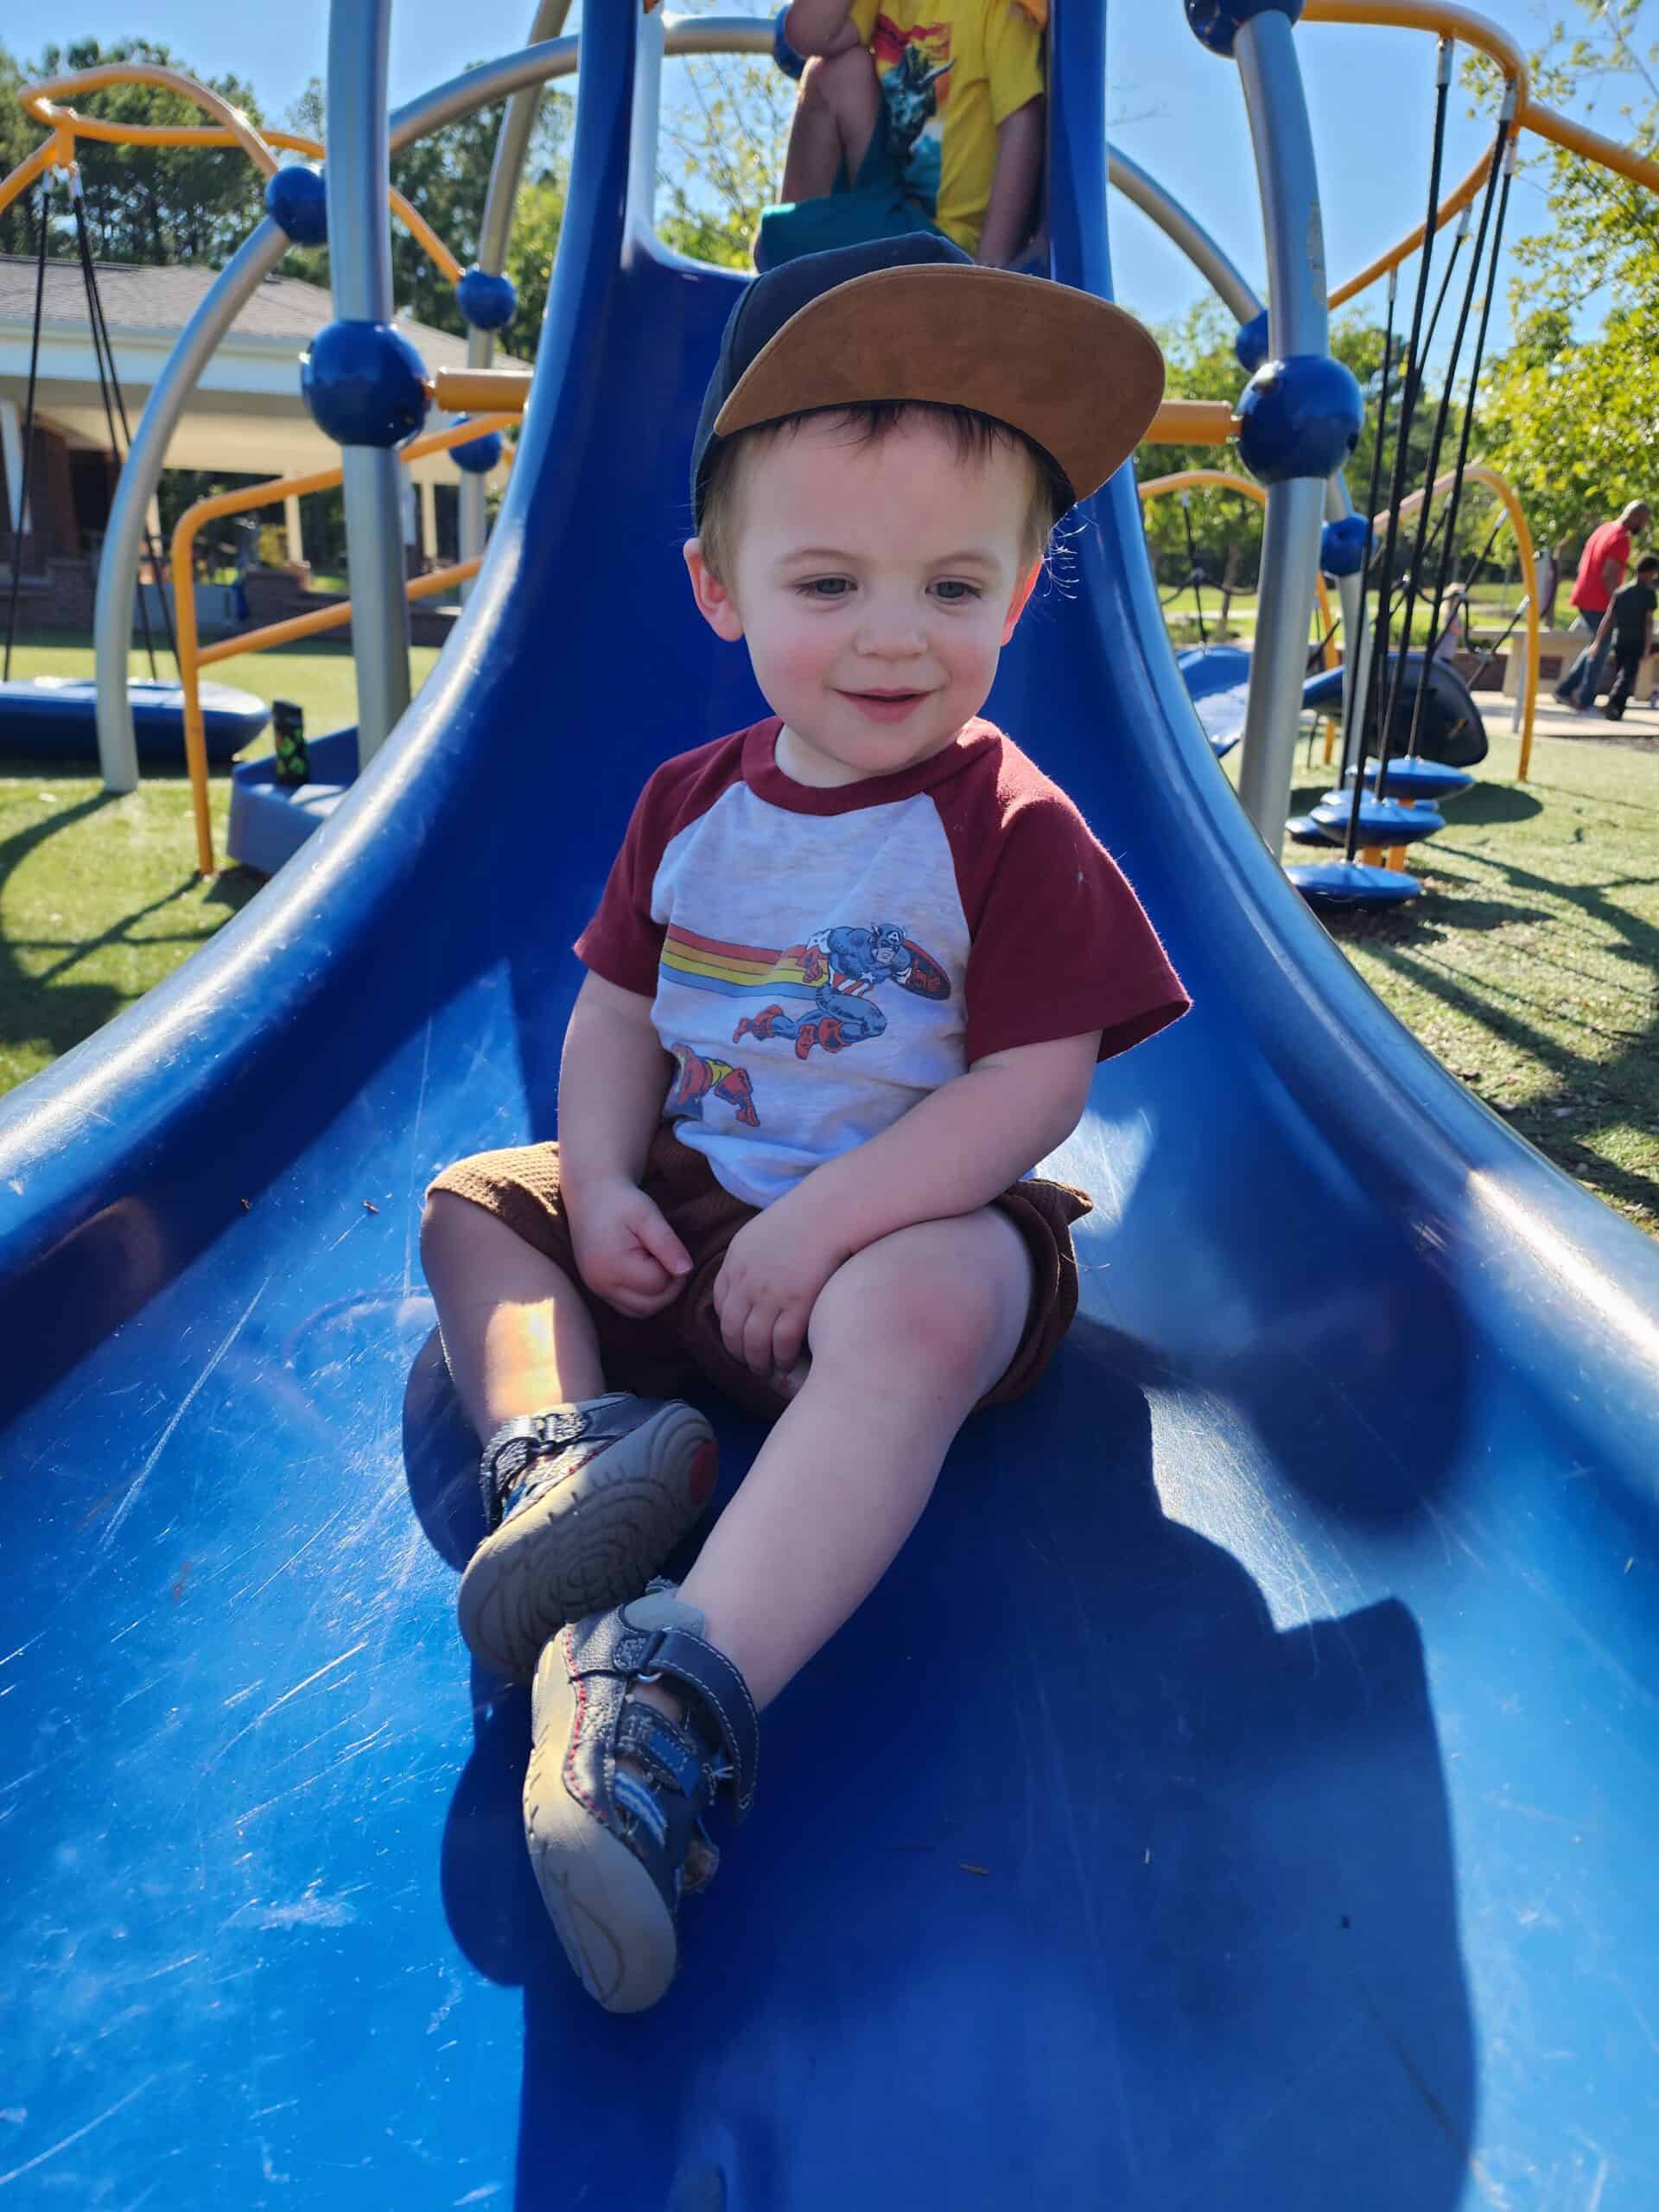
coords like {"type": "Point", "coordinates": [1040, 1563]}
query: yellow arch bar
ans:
{"type": "Point", "coordinates": [1503, 492]}
{"type": "Point", "coordinates": [232, 127]}
{"type": "Point", "coordinates": [1183, 479]}
{"type": "Point", "coordinates": [1444, 19]}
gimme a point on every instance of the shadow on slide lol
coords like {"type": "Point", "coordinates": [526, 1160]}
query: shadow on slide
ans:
{"type": "Point", "coordinates": [1238, 1794]}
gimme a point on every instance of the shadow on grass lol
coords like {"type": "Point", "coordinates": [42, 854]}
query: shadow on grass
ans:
{"type": "Point", "coordinates": [48, 1006]}
{"type": "Point", "coordinates": [1617, 1088]}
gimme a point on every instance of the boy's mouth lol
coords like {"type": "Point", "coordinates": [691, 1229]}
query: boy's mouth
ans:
{"type": "Point", "coordinates": [885, 706]}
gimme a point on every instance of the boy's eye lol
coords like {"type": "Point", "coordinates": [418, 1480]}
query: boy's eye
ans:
{"type": "Point", "coordinates": [825, 587]}
{"type": "Point", "coordinates": [953, 591]}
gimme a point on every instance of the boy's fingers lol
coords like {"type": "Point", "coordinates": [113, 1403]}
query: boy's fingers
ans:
{"type": "Point", "coordinates": [659, 1240]}
{"type": "Point", "coordinates": [787, 1336]}
{"type": "Point", "coordinates": [758, 1330]}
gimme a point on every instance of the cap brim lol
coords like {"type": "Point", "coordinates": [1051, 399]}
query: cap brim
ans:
{"type": "Point", "coordinates": [1077, 376]}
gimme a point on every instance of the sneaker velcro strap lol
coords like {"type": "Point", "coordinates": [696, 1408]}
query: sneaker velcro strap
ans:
{"type": "Point", "coordinates": [670, 1754]}
{"type": "Point", "coordinates": [724, 1695]}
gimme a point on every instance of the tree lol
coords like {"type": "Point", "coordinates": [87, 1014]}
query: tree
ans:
{"type": "Point", "coordinates": [144, 203]}
{"type": "Point", "coordinates": [1227, 526]}
{"type": "Point", "coordinates": [1568, 412]}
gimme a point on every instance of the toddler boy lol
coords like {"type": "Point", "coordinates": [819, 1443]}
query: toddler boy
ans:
{"type": "Point", "coordinates": [914, 115]}
{"type": "Point", "coordinates": [847, 982]}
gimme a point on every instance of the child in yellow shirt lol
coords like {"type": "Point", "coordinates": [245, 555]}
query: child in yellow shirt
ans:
{"type": "Point", "coordinates": [914, 115]}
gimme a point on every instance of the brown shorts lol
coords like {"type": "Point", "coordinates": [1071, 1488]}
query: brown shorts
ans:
{"type": "Point", "coordinates": [659, 1355]}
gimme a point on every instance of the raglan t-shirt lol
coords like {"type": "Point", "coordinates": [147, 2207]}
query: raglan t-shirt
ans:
{"type": "Point", "coordinates": [950, 72]}
{"type": "Point", "coordinates": [1611, 543]}
{"type": "Point", "coordinates": [820, 961]}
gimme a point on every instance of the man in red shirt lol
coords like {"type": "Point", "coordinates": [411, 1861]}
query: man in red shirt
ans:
{"type": "Point", "coordinates": [1601, 571]}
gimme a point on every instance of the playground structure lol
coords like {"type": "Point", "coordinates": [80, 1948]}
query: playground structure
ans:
{"type": "Point", "coordinates": [1270, 1828]}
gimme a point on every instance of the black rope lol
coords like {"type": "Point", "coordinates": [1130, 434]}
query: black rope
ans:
{"type": "Point", "coordinates": [1195, 574]}
{"type": "Point", "coordinates": [29, 428]}
{"type": "Point", "coordinates": [1402, 434]}
{"type": "Point", "coordinates": [1492, 652]}
{"type": "Point", "coordinates": [104, 348]}
{"type": "Point", "coordinates": [1445, 286]}
{"type": "Point", "coordinates": [1505, 159]}
{"type": "Point", "coordinates": [1485, 553]}
{"type": "Point", "coordinates": [1353, 687]}
{"type": "Point", "coordinates": [1442, 417]}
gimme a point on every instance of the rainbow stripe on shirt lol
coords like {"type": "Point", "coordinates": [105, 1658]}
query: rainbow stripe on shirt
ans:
{"type": "Point", "coordinates": [708, 964]}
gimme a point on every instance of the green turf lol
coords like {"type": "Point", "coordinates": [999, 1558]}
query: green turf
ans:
{"type": "Point", "coordinates": [99, 897]}
{"type": "Point", "coordinates": [1531, 966]}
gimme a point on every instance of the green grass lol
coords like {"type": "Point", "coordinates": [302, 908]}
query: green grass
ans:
{"type": "Point", "coordinates": [99, 898]}
{"type": "Point", "coordinates": [1530, 967]}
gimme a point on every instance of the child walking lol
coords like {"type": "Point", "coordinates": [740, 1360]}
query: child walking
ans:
{"type": "Point", "coordinates": [847, 982]}
{"type": "Point", "coordinates": [1627, 628]}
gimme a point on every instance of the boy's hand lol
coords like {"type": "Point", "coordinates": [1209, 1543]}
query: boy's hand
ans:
{"type": "Point", "coordinates": [627, 1252]}
{"type": "Point", "coordinates": [768, 1284]}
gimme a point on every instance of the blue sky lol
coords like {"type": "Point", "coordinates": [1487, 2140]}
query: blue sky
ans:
{"type": "Point", "coordinates": [1179, 111]}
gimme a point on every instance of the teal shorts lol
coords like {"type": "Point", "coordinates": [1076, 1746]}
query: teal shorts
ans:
{"type": "Point", "coordinates": [874, 206]}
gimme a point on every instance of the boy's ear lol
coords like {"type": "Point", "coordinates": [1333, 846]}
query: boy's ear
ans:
{"type": "Point", "coordinates": [715, 603]}
{"type": "Point", "coordinates": [1017, 604]}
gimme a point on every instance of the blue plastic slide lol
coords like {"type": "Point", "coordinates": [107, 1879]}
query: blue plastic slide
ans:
{"type": "Point", "coordinates": [1239, 1797]}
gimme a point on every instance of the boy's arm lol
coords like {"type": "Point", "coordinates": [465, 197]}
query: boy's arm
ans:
{"type": "Point", "coordinates": [613, 1080]}
{"type": "Point", "coordinates": [952, 1153]}
{"type": "Point", "coordinates": [1605, 631]}
{"type": "Point", "coordinates": [821, 27]}
{"type": "Point", "coordinates": [1011, 214]}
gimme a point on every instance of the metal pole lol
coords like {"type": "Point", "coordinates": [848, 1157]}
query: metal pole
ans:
{"type": "Point", "coordinates": [357, 170]}
{"type": "Point", "coordinates": [1183, 232]}
{"type": "Point", "coordinates": [1298, 323]}
{"type": "Point", "coordinates": [495, 227]}
{"type": "Point", "coordinates": [117, 572]}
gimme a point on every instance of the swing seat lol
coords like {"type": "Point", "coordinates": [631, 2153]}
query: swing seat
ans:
{"type": "Point", "coordinates": [55, 718]}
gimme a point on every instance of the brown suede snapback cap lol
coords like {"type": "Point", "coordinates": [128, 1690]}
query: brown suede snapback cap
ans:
{"type": "Point", "coordinates": [914, 319]}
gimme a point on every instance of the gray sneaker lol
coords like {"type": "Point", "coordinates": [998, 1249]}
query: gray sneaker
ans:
{"type": "Point", "coordinates": [584, 1503]}
{"type": "Point", "coordinates": [616, 1846]}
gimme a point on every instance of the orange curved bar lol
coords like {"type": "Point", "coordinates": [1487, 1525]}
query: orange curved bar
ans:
{"type": "Point", "coordinates": [1453, 204]}
{"type": "Point", "coordinates": [1441, 18]}
{"type": "Point", "coordinates": [234, 129]}
{"type": "Point", "coordinates": [193, 657]}
{"type": "Point", "coordinates": [1183, 479]}
{"type": "Point", "coordinates": [1577, 139]}
{"type": "Point", "coordinates": [28, 169]}
{"type": "Point", "coordinates": [38, 102]}
{"type": "Point", "coordinates": [1503, 492]}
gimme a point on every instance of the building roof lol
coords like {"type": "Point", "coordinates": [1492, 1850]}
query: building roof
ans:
{"type": "Point", "coordinates": [137, 298]}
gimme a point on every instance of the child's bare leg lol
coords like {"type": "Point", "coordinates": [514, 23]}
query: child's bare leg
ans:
{"type": "Point", "coordinates": [515, 1332]}
{"type": "Point", "coordinates": [906, 1338]}
{"type": "Point", "coordinates": [835, 119]}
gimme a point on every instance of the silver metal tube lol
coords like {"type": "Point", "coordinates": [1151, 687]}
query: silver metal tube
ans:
{"type": "Point", "coordinates": [358, 169]}
{"type": "Point", "coordinates": [1183, 231]}
{"type": "Point", "coordinates": [117, 573]}
{"type": "Point", "coordinates": [494, 228]}
{"type": "Point", "coordinates": [1298, 323]}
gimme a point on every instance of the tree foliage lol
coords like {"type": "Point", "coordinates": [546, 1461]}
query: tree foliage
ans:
{"type": "Point", "coordinates": [1568, 412]}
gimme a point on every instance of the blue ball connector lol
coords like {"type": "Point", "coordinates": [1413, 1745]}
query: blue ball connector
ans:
{"type": "Point", "coordinates": [479, 456]}
{"type": "Point", "coordinates": [1216, 23]}
{"type": "Point", "coordinates": [488, 302]}
{"type": "Point", "coordinates": [365, 383]}
{"type": "Point", "coordinates": [1250, 344]}
{"type": "Point", "coordinates": [1298, 417]}
{"type": "Point", "coordinates": [297, 199]}
{"type": "Point", "coordinates": [1342, 546]}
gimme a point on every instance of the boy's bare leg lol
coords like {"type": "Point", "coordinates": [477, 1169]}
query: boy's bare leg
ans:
{"type": "Point", "coordinates": [515, 1332]}
{"type": "Point", "coordinates": [906, 1338]}
{"type": "Point", "coordinates": [835, 120]}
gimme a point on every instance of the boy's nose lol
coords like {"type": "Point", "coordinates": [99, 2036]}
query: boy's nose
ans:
{"type": "Point", "coordinates": [893, 636]}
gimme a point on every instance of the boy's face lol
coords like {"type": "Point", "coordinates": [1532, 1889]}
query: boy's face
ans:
{"type": "Point", "coordinates": [876, 584]}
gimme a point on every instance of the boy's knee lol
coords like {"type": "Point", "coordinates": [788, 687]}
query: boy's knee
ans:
{"type": "Point", "coordinates": [831, 79]}
{"type": "Point", "coordinates": [447, 1221]}
{"type": "Point", "coordinates": [934, 1305]}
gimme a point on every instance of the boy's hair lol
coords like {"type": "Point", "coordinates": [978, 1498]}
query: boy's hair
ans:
{"type": "Point", "coordinates": [1648, 565]}
{"type": "Point", "coordinates": [974, 437]}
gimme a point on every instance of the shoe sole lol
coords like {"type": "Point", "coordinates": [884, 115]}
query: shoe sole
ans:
{"type": "Point", "coordinates": [592, 1542]}
{"type": "Point", "coordinates": [616, 1933]}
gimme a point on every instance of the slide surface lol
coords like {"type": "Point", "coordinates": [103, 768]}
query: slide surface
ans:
{"type": "Point", "coordinates": [1240, 1794]}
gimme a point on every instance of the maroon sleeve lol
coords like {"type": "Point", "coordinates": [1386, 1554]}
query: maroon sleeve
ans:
{"type": "Point", "coordinates": [1058, 943]}
{"type": "Point", "coordinates": [623, 943]}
